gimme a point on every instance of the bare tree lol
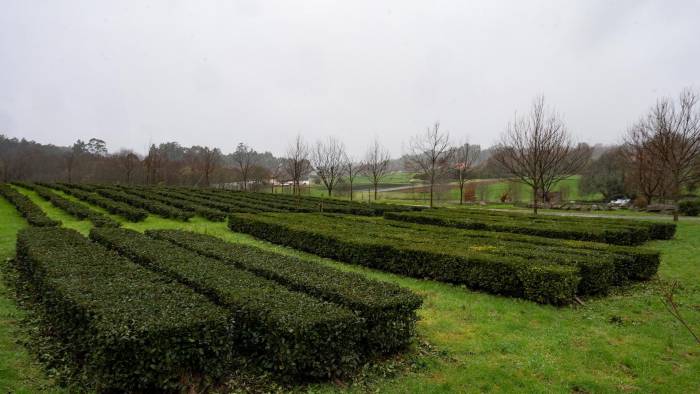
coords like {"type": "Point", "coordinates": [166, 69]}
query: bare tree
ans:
{"type": "Point", "coordinates": [72, 158]}
{"type": "Point", "coordinates": [538, 150]}
{"type": "Point", "coordinates": [296, 164]}
{"type": "Point", "coordinates": [645, 175]}
{"type": "Point", "coordinates": [673, 137]}
{"type": "Point", "coordinates": [672, 307]}
{"type": "Point", "coordinates": [376, 164]}
{"type": "Point", "coordinates": [429, 154]}
{"type": "Point", "coordinates": [245, 159]}
{"type": "Point", "coordinates": [153, 163]}
{"type": "Point", "coordinates": [328, 159]}
{"type": "Point", "coordinates": [128, 161]}
{"type": "Point", "coordinates": [465, 156]}
{"type": "Point", "coordinates": [209, 160]}
{"type": "Point", "coordinates": [15, 158]}
{"type": "Point", "coordinates": [352, 168]}
{"type": "Point", "coordinates": [277, 171]}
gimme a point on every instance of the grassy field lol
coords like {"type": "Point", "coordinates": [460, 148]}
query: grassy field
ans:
{"type": "Point", "coordinates": [470, 341]}
{"type": "Point", "coordinates": [448, 194]}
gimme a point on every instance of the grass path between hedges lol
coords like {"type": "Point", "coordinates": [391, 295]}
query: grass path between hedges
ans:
{"type": "Point", "coordinates": [19, 373]}
{"type": "Point", "coordinates": [626, 342]}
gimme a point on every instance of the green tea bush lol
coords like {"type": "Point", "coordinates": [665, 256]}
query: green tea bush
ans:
{"type": "Point", "coordinates": [212, 214]}
{"type": "Point", "coordinates": [156, 207]}
{"type": "Point", "coordinates": [123, 327]}
{"type": "Point", "coordinates": [689, 207]}
{"type": "Point", "coordinates": [80, 211]}
{"type": "Point", "coordinates": [269, 202]}
{"type": "Point", "coordinates": [389, 311]}
{"type": "Point", "coordinates": [376, 245]}
{"type": "Point", "coordinates": [618, 232]}
{"type": "Point", "coordinates": [449, 254]}
{"type": "Point", "coordinates": [287, 332]}
{"type": "Point", "coordinates": [207, 202]}
{"type": "Point", "coordinates": [85, 193]}
{"type": "Point", "coordinates": [30, 211]}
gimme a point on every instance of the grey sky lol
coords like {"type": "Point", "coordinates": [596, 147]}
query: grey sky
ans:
{"type": "Point", "coordinates": [216, 73]}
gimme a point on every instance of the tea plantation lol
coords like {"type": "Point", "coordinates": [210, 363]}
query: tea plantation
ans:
{"type": "Point", "coordinates": [128, 288]}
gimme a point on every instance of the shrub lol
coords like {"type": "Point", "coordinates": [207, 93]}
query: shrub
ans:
{"type": "Point", "coordinates": [619, 232]}
{"type": "Point", "coordinates": [374, 244]}
{"type": "Point", "coordinates": [214, 204]}
{"type": "Point", "coordinates": [125, 328]}
{"type": "Point", "coordinates": [201, 210]}
{"type": "Point", "coordinates": [84, 193]}
{"type": "Point", "coordinates": [389, 311]}
{"type": "Point", "coordinates": [268, 202]}
{"type": "Point", "coordinates": [287, 332]}
{"type": "Point", "coordinates": [30, 211]}
{"type": "Point", "coordinates": [689, 207]}
{"type": "Point", "coordinates": [75, 209]}
{"type": "Point", "coordinates": [156, 207]}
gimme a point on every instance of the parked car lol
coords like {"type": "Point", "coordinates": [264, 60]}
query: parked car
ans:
{"type": "Point", "coordinates": [620, 202]}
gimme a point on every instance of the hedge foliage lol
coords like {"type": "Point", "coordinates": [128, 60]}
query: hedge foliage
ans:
{"type": "Point", "coordinates": [152, 206]}
{"type": "Point", "coordinates": [290, 333]}
{"type": "Point", "coordinates": [501, 263]}
{"type": "Point", "coordinates": [30, 211]}
{"type": "Point", "coordinates": [80, 211]}
{"type": "Point", "coordinates": [373, 206]}
{"type": "Point", "coordinates": [124, 328]}
{"type": "Point", "coordinates": [365, 241]}
{"type": "Point", "coordinates": [87, 194]}
{"type": "Point", "coordinates": [268, 202]}
{"type": "Point", "coordinates": [689, 207]}
{"type": "Point", "coordinates": [389, 311]}
{"type": "Point", "coordinates": [212, 214]}
{"type": "Point", "coordinates": [613, 231]}
{"type": "Point", "coordinates": [237, 201]}
{"type": "Point", "coordinates": [228, 207]}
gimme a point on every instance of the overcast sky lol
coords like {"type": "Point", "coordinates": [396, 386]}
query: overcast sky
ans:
{"type": "Point", "coordinates": [216, 73]}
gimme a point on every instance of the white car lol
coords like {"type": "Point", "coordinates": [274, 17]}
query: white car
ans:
{"type": "Point", "coordinates": [620, 202]}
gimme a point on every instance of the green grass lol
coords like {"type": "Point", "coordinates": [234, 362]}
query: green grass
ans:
{"type": "Point", "coordinates": [625, 342]}
{"type": "Point", "coordinates": [492, 191]}
{"type": "Point", "coordinates": [446, 194]}
{"type": "Point", "coordinates": [19, 373]}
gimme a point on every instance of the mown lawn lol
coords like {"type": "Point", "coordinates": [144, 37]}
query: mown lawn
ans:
{"type": "Point", "coordinates": [626, 342]}
{"type": "Point", "coordinates": [484, 190]}
{"type": "Point", "coordinates": [19, 373]}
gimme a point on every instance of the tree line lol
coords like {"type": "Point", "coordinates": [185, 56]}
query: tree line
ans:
{"type": "Point", "coordinates": [657, 160]}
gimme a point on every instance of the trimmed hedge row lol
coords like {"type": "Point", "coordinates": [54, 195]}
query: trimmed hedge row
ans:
{"type": "Point", "coordinates": [543, 227]}
{"type": "Point", "coordinates": [537, 280]}
{"type": "Point", "coordinates": [86, 194]}
{"type": "Point", "coordinates": [449, 254]}
{"type": "Point", "coordinates": [689, 207]}
{"type": "Point", "coordinates": [156, 207]}
{"type": "Point", "coordinates": [287, 332]}
{"type": "Point", "coordinates": [389, 310]}
{"type": "Point", "coordinates": [212, 214]}
{"type": "Point", "coordinates": [268, 203]}
{"type": "Point", "coordinates": [226, 207]}
{"type": "Point", "coordinates": [377, 208]}
{"type": "Point", "coordinates": [614, 231]}
{"type": "Point", "coordinates": [629, 262]}
{"type": "Point", "coordinates": [124, 328]}
{"type": "Point", "coordinates": [281, 202]}
{"type": "Point", "coordinates": [258, 204]}
{"type": "Point", "coordinates": [30, 211]}
{"type": "Point", "coordinates": [80, 211]}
